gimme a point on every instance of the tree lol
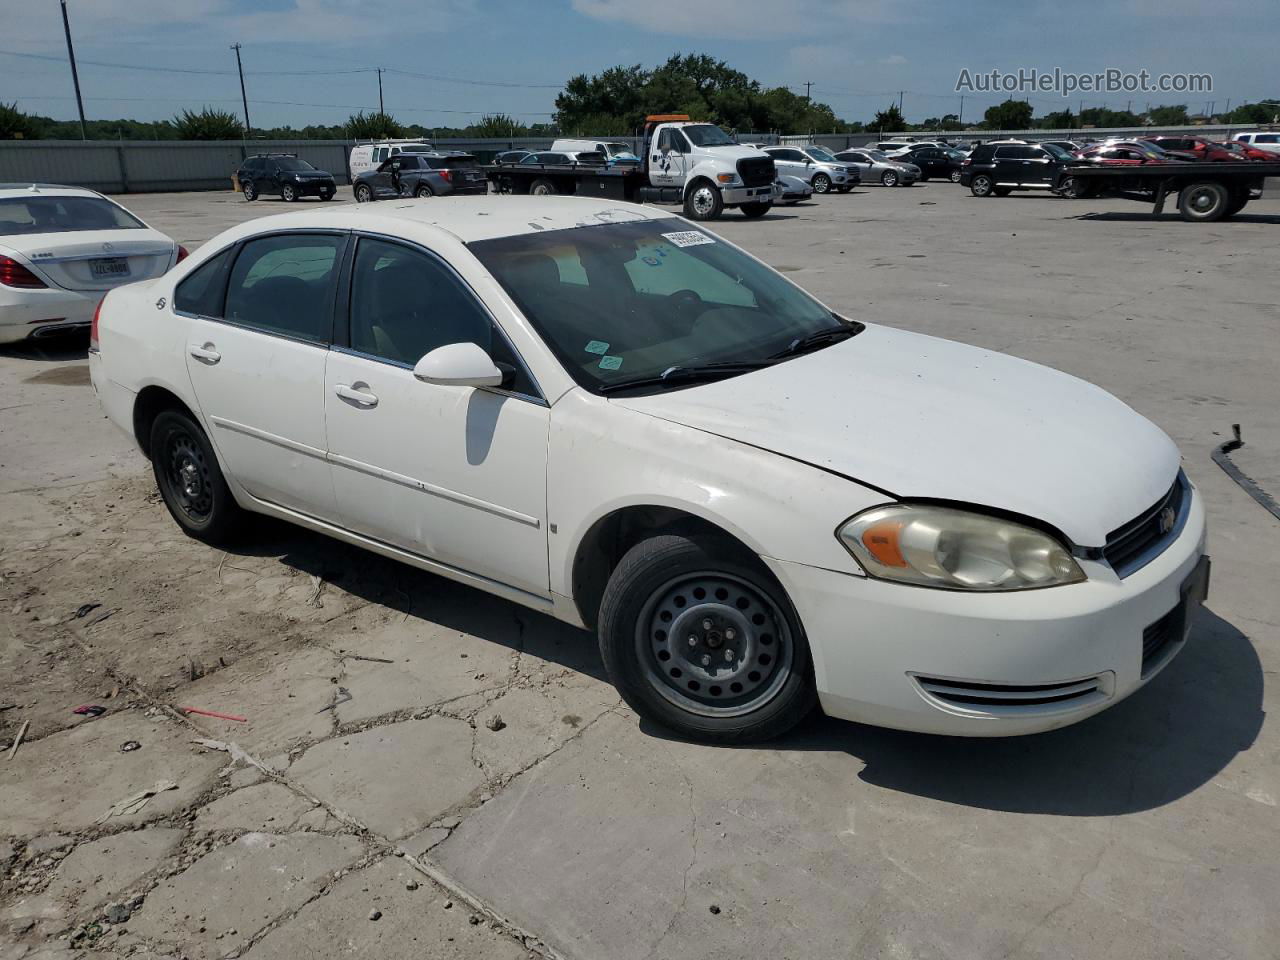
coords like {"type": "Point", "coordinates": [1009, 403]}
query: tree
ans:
{"type": "Point", "coordinates": [208, 124]}
{"type": "Point", "coordinates": [1168, 116]}
{"type": "Point", "coordinates": [16, 125]}
{"type": "Point", "coordinates": [889, 118]}
{"type": "Point", "coordinates": [497, 125]}
{"type": "Point", "coordinates": [1010, 115]}
{"type": "Point", "coordinates": [1058, 120]}
{"type": "Point", "coordinates": [1264, 112]}
{"type": "Point", "coordinates": [1102, 117]}
{"type": "Point", "coordinates": [373, 126]}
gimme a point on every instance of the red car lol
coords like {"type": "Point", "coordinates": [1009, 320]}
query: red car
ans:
{"type": "Point", "coordinates": [1203, 149]}
{"type": "Point", "coordinates": [1246, 150]}
{"type": "Point", "coordinates": [1127, 153]}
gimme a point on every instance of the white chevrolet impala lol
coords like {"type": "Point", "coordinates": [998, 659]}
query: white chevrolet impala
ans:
{"type": "Point", "coordinates": [61, 249]}
{"type": "Point", "coordinates": [612, 415]}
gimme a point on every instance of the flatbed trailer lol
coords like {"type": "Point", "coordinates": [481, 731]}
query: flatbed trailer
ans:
{"type": "Point", "coordinates": [1206, 191]}
{"type": "Point", "coordinates": [580, 179]}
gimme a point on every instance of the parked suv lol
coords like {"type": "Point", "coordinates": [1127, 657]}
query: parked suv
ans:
{"type": "Point", "coordinates": [283, 175]}
{"type": "Point", "coordinates": [997, 169]}
{"type": "Point", "coordinates": [421, 175]}
{"type": "Point", "coordinates": [816, 167]}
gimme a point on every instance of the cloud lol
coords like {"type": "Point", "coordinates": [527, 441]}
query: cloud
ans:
{"type": "Point", "coordinates": [334, 21]}
{"type": "Point", "coordinates": [894, 59]}
{"type": "Point", "coordinates": [743, 19]}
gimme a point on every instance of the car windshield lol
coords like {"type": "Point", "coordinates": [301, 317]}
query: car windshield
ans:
{"type": "Point", "coordinates": [629, 301]}
{"type": "Point", "coordinates": [292, 164]}
{"type": "Point", "coordinates": [618, 149]}
{"type": "Point", "coordinates": [1056, 151]}
{"type": "Point", "coordinates": [707, 135]}
{"type": "Point", "coordinates": [37, 214]}
{"type": "Point", "coordinates": [818, 153]}
{"type": "Point", "coordinates": [877, 155]}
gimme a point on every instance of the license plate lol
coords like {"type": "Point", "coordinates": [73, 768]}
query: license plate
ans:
{"type": "Point", "coordinates": [112, 267]}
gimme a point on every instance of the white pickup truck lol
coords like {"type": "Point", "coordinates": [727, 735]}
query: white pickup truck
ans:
{"type": "Point", "coordinates": [697, 165]}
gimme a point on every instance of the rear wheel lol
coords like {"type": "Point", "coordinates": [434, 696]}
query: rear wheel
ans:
{"type": "Point", "coordinates": [889, 178]}
{"type": "Point", "coordinates": [821, 183]}
{"type": "Point", "coordinates": [755, 209]}
{"type": "Point", "coordinates": [423, 192]}
{"type": "Point", "coordinates": [1204, 202]}
{"type": "Point", "coordinates": [698, 637]}
{"type": "Point", "coordinates": [289, 192]}
{"type": "Point", "coordinates": [703, 201]}
{"type": "Point", "coordinates": [542, 188]}
{"type": "Point", "coordinates": [1070, 188]}
{"type": "Point", "coordinates": [982, 185]}
{"type": "Point", "coordinates": [190, 480]}
{"type": "Point", "coordinates": [1237, 204]}
{"type": "Point", "coordinates": [1002, 191]}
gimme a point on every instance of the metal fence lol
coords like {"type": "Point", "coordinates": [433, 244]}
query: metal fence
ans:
{"type": "Point", "coordinates": [135, 166]}
{"type": "Point", "coordinates": [843, 141]}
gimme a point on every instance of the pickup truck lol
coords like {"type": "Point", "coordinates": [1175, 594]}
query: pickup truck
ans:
{"type": "Point", "coordinates": [694, 164]}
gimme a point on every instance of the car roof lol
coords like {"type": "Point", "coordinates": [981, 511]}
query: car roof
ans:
{"type": "Point", "coordinates": [46, 189]}
{"type": "Point", "coordinates": [467, 219]}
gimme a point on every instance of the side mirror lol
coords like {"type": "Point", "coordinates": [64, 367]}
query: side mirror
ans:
{"type": "Point", "coordinates": [808, 162]}
{"type": "Point", "coordinates": [459, 365]}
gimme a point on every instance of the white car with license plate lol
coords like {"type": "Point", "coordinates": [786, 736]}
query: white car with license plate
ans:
{"type": "Point", "coordinates": [61, 250]}
{"type": "Point", "coordinates": [609, 414]}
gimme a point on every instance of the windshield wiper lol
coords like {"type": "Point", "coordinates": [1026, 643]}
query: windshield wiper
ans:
{"type": "Point", "coordinates": [689, 374]}
{"type": "Point", "coordinates": [818, 339]}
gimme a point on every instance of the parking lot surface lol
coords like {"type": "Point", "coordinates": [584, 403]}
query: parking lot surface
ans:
{"type": "Point", "coordinates": [428, 771]}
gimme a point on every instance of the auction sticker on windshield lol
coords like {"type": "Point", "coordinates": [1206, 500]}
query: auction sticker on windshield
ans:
{"type": "Point", "coordinates": [688, 238]}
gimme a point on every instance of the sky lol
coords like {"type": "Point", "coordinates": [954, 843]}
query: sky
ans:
{"type": "Point", "coordinates": [450, 61]}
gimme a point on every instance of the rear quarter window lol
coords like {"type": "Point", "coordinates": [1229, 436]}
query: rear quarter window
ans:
{"type": "Point", "coordinates": [202, 292]}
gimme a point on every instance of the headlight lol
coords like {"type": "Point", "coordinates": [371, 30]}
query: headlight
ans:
{"type": "Point", "coordinates": [954, 549]}
{"type": "Point", "coordinates": [726, 177]}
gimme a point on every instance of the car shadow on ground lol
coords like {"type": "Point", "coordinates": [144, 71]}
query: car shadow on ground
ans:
{"type": "Point", "coordinates": [1170, 738]}
{"type": "Point", "coordinates": [71, 346]}
{"type": "Point", "coordinates": [1167, 217]}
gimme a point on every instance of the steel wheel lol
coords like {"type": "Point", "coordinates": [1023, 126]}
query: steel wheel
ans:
{"type": "Point", "coordinates": [711, 644]}
{"type": "Point", "coordinates": [704, 200]}
{"type": "Point", "coordinates": [186, 474]}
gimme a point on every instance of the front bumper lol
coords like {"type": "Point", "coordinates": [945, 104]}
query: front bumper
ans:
{"type": "Point", "coordinates": [908, 657]}
{"type": "Point", "coordinates": [315, 188]}
{"type": "Point", "coordinates": [737, 195]}
{"type": "Point", "coordinates": [44, 312]}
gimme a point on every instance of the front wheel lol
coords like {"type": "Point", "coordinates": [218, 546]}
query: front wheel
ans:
{"type": "Point", "coordinates": [982, 185]}
{"type": "Point", "coordinates": [190, 481]}
{"type": "Point", "coordinates": [756, 209]}
{"type": "Point", "coordinates": [363, 193]}
{"type": "Point", "coordinates": [821, 183]}
{"type": "Point", "coordinates": [1070, 188]}
{"type": "Point", "coordinates": [249, 190]}
{"type": "Point", "coordinates": [326, 195]}
{"type": "Point", "coordinates": [698, 637]}
{"type": "Point", "coordinates": [703, 202]}
{"type": "Point", "coordinates": [1204, 202]}
{"type": "Point", "coordinates": [889, 178]}
{"type": "Point", "coordinates": [289, 192]}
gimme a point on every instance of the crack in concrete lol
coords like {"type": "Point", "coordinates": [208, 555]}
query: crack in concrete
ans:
{"type": "Point", "coordinates": [693, 859]}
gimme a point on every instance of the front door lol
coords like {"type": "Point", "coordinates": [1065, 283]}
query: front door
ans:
{"type": "Point", "coordinates": [455, 474]}
{"type": "Point", "coordinates": [257, 364]}
{"type": "Point", "coordinates": [667, 163]}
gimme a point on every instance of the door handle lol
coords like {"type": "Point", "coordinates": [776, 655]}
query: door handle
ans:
{"type": "Point", "coordinates": [205, 354]}
{"type": "Point", "coordinates": [355, 395]}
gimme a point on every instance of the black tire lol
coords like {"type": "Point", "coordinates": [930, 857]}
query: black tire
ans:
{"type": "Point", "coordinates": [190, 480]}
{"type": "Point", "coordinates": [423, 192]}
{"type": "Point", "coordinates": [954, 176]}
{"type": "Point", "coordinates": [1238, 202]}
{"type": "Point", "coordinates": [1071, 188]}
{"type": "Point", "coordinates": [363, 192]}
{"type": "Point", "coordinates": [1204, 202]}
{"type": "Point", "coordinates": [982, 185]}
{"type": "Point", "coordinates": [753, 210]}
{"type": "Point", "coordinates": [249, 190]}
{"type": "Point", "coordinates": [843, 189]}
{"type": "Point", "coordinates": [289, 193]}
{"type": "Point", "coordinates": [923, 178]}
{"type": "Point", "coordinates": [703, 201]}
{"type": "Point", "coordinates": [821, 183]}
{"type": "Point", "coordinates": [1002, 191]}
{"type": "Point", "coordinates": [327, 195]}
{"type": "Point", "coordinates": [890, 178]}
{"type": "Point", "coordinates": [542, 187]}
{"type": "Point", "coordinates": [757, 689]}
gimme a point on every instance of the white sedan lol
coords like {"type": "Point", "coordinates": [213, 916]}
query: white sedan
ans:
{"type": "Point", "coordinates": [610, 414]}
{"type": "Point", "coordinates": [61, 249]}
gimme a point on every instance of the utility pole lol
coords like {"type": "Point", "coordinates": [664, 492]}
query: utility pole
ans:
{"type": "Point", "coordinates": [244, 98]}
{"type": "Point", "coordinates": [900, 103]}
{"type": "Point", "coordinates": [960, 118]}
{"type": "Point", "coordinates": [75, 77]}
{"type": "Point", "coordinates": [381, 110]}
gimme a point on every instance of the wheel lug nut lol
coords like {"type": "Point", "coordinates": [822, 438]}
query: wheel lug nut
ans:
{"type": "Point", "coordinates": [706, 660]}
{"type": "Point", "coordinates": [693, 641]}
{"type": "Point", "coordinates": [728, 655]}
{"type": "Point", "coordinates": [707, 624]}
{"type": "Point", "coordinates": [730, 633]}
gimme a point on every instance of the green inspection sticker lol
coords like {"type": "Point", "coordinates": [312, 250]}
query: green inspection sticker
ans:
{"type": "Point", "coordinates": [610, 363]}
{"type": "Point", "coordinates": [596, 346]}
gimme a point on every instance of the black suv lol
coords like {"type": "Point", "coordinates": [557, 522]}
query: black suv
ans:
{"type": "Point", "coordinates": [284, 175]}
{"type": "Point", "coordinates": [997, 169]}
{"type": "Point", "coordinates": [935, 162]}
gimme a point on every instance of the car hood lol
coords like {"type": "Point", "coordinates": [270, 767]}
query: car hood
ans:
{"type": "Point", "coordinates": [923, 418]}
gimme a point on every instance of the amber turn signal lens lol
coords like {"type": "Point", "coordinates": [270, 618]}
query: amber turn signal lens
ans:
{"type": "Point", "coordinates": [881, 542]}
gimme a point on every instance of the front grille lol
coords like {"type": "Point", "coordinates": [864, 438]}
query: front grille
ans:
{"type": "Point", "coordinates": [757, 171]}
{"type": "Point", "coordinates": [1158, 637]}
{"type": "Point", "coordinates": [1011, 699]}
{"type": "Point", "coordinates": [1127, 544]}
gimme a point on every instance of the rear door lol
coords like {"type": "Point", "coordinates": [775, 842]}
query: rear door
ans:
{"type": "Point", "coordinates": [256, 357]}
{"type": "Point", "coordinates": [858, 161]}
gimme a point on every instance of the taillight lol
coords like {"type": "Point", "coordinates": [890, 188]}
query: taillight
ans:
{"type": "Point", "coordinates": [14, 274]}
{"type": "Point", "coordinates": [967, 162]}
{"type": "Point", "coordinates": [93, 327]}
{"type": "Point", "coordinates": [183, 253]}
{"type": "Point", "coordinates": [446, 175]}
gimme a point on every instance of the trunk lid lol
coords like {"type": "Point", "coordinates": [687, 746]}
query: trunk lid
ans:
{"type": "Point", "coordinates": [91, 262]}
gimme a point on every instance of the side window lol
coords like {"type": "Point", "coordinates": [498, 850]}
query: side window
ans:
{"type": "Point", "coordinates": [408, 162]}
{"type": "Point", "coordinates": [284, 285]}
{"type": "Point", "coordinates": [662, 269]}
{"type": "Point", "coordinates": [201, 292]}
{"type": "Point", "coordinates": [380, 155]}
{"type": "Point", "coordinates": [404, 304]}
